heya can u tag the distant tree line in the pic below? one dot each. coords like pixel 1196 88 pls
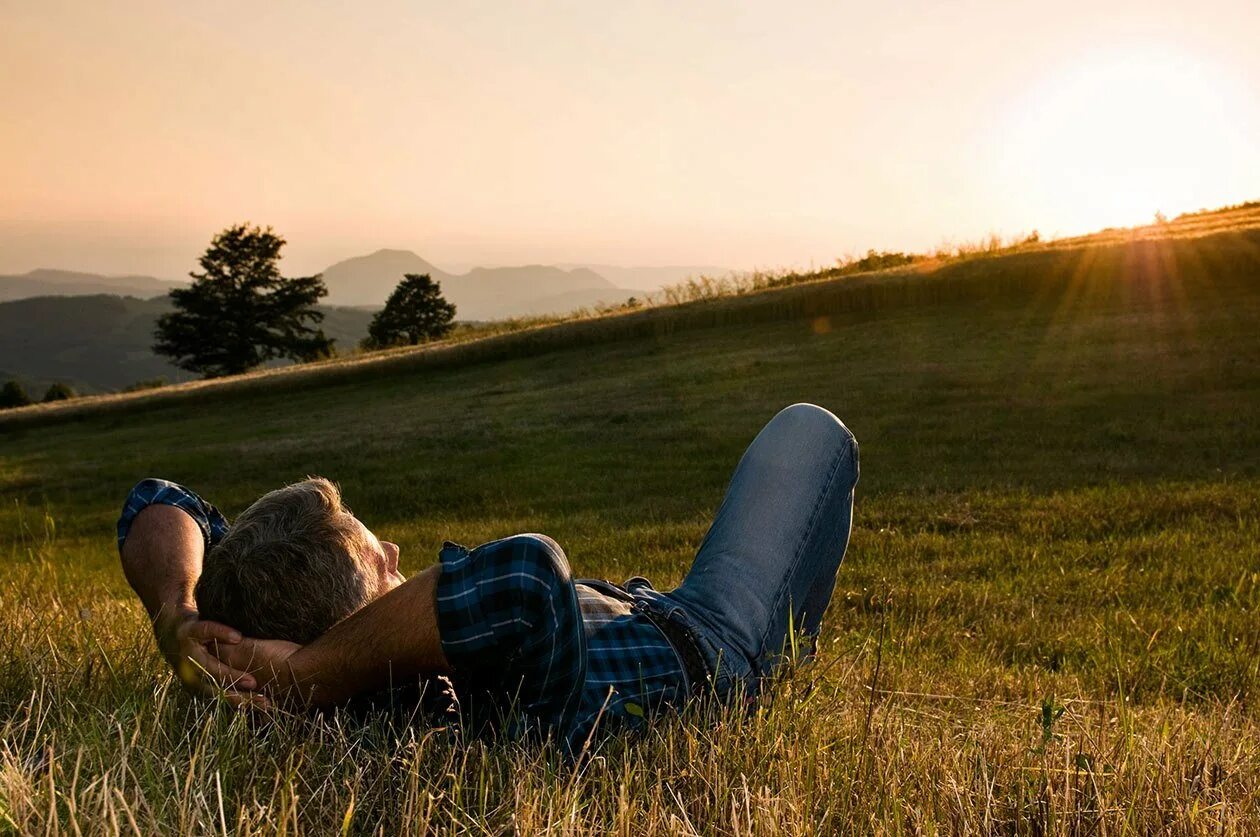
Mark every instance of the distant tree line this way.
pixel 13 394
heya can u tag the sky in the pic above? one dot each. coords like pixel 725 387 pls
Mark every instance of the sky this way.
pixel 726 133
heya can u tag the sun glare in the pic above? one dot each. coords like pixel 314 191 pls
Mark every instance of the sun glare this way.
pixel 1111 140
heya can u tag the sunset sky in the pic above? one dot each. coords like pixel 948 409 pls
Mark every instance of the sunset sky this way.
pixel 634 133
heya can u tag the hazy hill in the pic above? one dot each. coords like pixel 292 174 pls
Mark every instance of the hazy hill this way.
pixel 483 293
pixel 368 280
pixel 650 278
pixel 488 293
pixel 101 342
pixel 45 282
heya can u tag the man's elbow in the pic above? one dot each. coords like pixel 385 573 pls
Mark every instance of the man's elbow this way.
pixel 538 591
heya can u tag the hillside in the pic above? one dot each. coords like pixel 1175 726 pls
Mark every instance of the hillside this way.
pixel 1017 272
pixel 102 343
pixel 1045 622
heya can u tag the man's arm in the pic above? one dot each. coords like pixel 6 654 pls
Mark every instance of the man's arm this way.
pixel 161 559
pixel 162 547
pixel 393 639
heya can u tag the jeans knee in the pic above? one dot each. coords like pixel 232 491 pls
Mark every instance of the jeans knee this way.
pixel 814 424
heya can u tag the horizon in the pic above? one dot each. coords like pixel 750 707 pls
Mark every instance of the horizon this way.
pixel 636 137
pixel 455 270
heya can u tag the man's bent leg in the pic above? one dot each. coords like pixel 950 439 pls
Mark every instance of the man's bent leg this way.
pixel 770 558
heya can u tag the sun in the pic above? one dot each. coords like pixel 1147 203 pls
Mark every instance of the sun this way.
pixel 1117 136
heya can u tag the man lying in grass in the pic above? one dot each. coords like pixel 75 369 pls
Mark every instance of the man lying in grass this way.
pixel 300 602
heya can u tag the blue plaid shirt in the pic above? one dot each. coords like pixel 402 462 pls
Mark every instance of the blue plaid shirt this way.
pixel 571 656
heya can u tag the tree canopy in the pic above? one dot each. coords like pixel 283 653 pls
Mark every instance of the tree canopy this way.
pixel 59 392
pixel 13 394
pixel 415 313
pixel 239 311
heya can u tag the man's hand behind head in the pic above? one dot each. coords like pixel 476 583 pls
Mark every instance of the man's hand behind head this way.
pixel 188 643
pixel 264 661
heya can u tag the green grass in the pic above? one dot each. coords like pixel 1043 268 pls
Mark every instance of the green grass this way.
pixel 1059 510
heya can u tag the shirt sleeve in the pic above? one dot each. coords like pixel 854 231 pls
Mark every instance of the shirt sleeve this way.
pixel 212 524
pixel 510 624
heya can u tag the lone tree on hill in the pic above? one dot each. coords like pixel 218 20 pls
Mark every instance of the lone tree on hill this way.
pixel 59 392
pixel 240 312
pixel 13 394
pixel 414 313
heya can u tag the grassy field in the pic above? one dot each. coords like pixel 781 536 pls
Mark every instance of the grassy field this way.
pixel 1047 621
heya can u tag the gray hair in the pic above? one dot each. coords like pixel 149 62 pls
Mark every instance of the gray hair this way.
pixel 290 568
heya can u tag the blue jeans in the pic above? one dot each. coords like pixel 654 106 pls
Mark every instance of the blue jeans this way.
pixel 768 565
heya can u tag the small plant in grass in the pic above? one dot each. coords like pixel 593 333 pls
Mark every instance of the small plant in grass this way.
pixel 1051 712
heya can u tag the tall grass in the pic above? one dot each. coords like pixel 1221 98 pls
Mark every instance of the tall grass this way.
pixel 865 741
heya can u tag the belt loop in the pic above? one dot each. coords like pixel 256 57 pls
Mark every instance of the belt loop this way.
pixel 682 638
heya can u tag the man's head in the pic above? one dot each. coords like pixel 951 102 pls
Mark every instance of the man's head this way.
pixel 295 563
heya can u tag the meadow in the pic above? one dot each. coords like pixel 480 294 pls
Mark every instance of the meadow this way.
pixel 1046 622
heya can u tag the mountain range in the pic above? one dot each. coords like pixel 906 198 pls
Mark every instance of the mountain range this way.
pixel 481 293
pixel 45 282
pixel 94 332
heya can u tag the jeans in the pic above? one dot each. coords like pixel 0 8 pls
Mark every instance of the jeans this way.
pixel 767 566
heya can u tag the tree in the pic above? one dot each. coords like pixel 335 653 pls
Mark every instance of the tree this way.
pixel 13 394
pixel 59 392
pixel 414 313
pixel 240 312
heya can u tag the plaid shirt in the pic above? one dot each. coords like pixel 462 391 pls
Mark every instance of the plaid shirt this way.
pixel 571 656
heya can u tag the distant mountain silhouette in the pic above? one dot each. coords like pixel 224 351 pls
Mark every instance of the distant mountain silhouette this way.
pixel 103 342
pixel 368 280
pixel 45 282
pixel 483 293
